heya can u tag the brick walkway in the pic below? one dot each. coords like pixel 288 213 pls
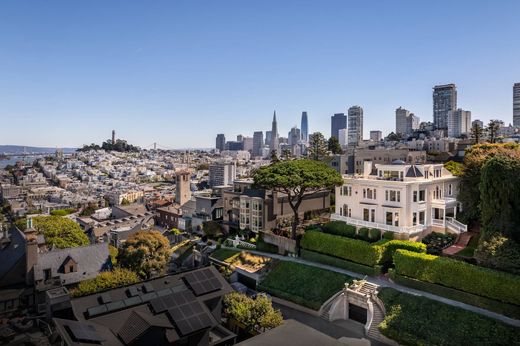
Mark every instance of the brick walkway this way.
pixel 463 241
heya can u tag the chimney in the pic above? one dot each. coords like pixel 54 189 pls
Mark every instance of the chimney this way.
pixel 31 252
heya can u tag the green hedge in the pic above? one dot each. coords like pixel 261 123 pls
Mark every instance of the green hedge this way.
pixel 460 275
pixel 339 228
pixel 106 280
pixel 412 320
pixel 509 310
pixel 388 235
pixel 391 246
pixel 339 263
pixel 350 249
pixel 302 284
pixel 261 245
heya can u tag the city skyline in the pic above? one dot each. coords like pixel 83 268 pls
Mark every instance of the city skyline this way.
pixel 166 79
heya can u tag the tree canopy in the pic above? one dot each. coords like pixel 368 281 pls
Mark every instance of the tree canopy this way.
pixel 334 146
pixel 318 147
pixel 255 314
pixel 145 252
pixel 58 231
pixel 297 178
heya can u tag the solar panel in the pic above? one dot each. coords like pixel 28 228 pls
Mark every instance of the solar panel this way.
pixel 148 287
pixel 96 310
pixel 132 291
pixel 164 292
pixel 85 332
pixel 161 304
pixel 105 298
pixel 133 301
pixel 148 296
pixel 203 281
pixel 120 304
pixel 187 312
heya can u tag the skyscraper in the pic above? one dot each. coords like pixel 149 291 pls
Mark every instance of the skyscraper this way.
pixel 337 122
pixel 274 134
pixel 459 122
pixel 405 122
pixel 220 143
pixel 376 135
pixel 294 136
pixel 258 143
pixel 355 125
pixel 305 127
pixel 516 104
pixel 444 100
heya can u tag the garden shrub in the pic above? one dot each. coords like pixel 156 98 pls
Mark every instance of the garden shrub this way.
pixel 363 234
pixel 391 246
pixel 374 235
pixel 460 275
pixel 436 242
pixel 339 228
pixel 413 320
pixel 388 235
pixel 350 249
pixel 106 280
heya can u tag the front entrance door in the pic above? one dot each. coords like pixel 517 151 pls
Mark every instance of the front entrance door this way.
pixel 357 313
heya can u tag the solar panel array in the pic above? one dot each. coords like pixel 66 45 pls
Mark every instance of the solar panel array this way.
pixel 203 281
pixel 84 332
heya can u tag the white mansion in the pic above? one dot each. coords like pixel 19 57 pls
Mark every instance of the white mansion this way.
pixel 399 197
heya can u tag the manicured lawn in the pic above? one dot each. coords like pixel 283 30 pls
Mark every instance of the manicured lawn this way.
pixel 469 250
pixel 302 284
pixel 413 320
pixel 224 254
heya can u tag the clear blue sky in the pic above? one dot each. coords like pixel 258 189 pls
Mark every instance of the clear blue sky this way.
pixel 179 72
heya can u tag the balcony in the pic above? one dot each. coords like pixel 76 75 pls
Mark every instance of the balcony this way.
pixel 444 202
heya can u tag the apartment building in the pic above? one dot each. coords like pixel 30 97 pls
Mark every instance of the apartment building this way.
pixel 403 198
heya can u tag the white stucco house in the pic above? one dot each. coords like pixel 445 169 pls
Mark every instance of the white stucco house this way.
pixel 402 198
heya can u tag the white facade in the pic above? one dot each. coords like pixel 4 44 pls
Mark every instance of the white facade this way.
pixel 459 123
pixel 400 198
pixel 221 174
pixel 343 137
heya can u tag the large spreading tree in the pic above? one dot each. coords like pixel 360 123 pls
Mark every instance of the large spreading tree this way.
pixel 254 314
pixel 145 252
pixel 297 179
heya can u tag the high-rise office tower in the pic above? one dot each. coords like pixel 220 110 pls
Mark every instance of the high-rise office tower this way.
pixel 274 134
pixel 376 135
pixel 247 143
pixel 258 143
pixel 294 136
pixel 240 138
pixel 459 123
pixel 220 143
pixel 355 125
pixel 305 127
pixel 516 104
pixel 480 123
pixel 222 173
pixel 444 100
pixel 337 122
pixel 405 122
pixel 343 137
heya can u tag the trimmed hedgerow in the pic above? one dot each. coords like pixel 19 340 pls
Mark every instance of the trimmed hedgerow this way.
pixel 388 235
pixel 350 249
pixel 339 263
pixel 374 234
pixel 363 234
pixel 339 228
pixel 390 247
pixel 502 308
pixel 412 320
pixel 460 275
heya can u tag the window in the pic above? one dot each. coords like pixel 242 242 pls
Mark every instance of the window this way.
pixel 46 274
pixel 396 219
pixel 421 218
pixel 366 214
pixel 71 268
pixel 422 195
pixel 414 219
pixel 389 218
pixel 415 193
pixel 450 190
pixel 346 190
pixel 372 215
pixel 393 195
pixel 369 193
